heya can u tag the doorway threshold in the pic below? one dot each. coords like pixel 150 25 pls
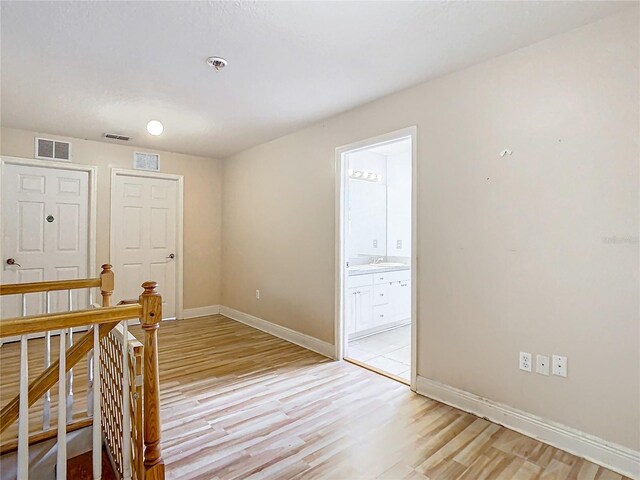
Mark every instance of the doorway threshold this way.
pixel 377 370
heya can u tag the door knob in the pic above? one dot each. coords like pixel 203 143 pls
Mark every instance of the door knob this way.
pixel 11 261
pixel 171 256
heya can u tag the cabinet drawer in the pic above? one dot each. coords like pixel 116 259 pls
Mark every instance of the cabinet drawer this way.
pixel 381 294
pixel 381 314
pixel 359 280
pixel 387 277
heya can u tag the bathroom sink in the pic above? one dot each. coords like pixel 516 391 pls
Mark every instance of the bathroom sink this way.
pixel 388 264
pixel 363 267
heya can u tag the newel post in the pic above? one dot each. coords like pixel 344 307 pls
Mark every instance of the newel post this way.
pixel 150 320
pixel 106 284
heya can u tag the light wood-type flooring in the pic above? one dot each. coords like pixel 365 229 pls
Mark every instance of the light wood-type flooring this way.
pixel 238 403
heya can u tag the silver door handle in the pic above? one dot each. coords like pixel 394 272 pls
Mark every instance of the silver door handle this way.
pixel 171 256
pixel 11 261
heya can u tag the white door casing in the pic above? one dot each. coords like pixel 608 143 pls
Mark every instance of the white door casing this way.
pixel 47 222
pixel 342 303
pixel 146 236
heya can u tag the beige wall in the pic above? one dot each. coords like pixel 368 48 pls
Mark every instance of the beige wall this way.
pixel 202 204
pixel 512 251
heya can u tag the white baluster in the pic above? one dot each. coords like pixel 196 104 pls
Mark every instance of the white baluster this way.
pixel 46 406
pixel 23 419
pixel 69 401
pixel 90 369
pixel 126 405
pixel 61 467
pixel 97 428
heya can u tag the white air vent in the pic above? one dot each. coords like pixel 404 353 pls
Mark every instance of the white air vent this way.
pixel 146 161
pixel 48 149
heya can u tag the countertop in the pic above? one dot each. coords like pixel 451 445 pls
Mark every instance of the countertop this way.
pixel 368 269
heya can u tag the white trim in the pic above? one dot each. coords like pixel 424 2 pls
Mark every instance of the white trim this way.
pixel 305 341
pixel 340 177
pixel 607 454
pixel 201 311
pixel 179 179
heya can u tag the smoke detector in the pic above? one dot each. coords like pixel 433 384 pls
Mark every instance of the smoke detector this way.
pixel 217 62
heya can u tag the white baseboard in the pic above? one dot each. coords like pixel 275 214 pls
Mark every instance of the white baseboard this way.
pixel 305 341
pixel 201 311
pixel 607 454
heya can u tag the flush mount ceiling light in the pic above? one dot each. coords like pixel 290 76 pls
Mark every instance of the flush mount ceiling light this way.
pixel 154 127
pixel 217 62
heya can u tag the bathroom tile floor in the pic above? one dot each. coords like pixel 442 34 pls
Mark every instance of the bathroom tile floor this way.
pixel 389 351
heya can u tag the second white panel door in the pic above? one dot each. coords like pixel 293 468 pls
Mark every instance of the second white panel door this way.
pixel 143 233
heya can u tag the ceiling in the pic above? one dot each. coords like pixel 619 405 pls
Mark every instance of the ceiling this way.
pixel 85 68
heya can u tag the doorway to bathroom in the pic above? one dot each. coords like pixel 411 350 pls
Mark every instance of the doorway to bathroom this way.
pixel 375 212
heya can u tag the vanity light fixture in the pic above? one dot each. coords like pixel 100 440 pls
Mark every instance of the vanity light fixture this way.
pixel 368 176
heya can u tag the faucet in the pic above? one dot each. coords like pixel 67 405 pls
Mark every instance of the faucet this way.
pixel 375 261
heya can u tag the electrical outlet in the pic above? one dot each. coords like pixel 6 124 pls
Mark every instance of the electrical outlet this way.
pixel 257 294
pixel 375 244
pixel 525 361
pixel 542 364
pixel 399 244
pixel 559 365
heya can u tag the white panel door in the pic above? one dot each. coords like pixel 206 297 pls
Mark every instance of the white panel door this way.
pixel 144 228
pixel 45 234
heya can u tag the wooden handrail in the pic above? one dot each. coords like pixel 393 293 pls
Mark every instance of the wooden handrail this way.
pixel 104 281
pixel 48 378
pixel 55 321
pixel 35 287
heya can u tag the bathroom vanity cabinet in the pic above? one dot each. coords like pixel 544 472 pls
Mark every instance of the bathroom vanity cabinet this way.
pixel 377 301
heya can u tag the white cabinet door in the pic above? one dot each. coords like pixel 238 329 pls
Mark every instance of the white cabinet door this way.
pixel 364 318
pixel 45 218
pixel 144 237
pixel 351 310
pixel 404 307
pixel 400 300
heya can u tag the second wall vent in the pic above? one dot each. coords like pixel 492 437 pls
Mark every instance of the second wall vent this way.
pixel 48 149
pixel 146 161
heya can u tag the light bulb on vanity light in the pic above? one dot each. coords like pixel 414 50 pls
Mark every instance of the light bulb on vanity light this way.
pixel 155 128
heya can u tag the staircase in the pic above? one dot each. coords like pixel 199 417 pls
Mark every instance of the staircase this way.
pixel 115 433
pixel 81 467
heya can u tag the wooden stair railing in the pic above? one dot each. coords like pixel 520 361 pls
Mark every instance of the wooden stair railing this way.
pixel 106 284
pixel 47 379
pixel 102 321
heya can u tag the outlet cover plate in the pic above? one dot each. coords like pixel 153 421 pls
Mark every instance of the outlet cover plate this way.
pixel 525 361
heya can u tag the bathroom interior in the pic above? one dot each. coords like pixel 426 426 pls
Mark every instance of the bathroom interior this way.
pixel 378 245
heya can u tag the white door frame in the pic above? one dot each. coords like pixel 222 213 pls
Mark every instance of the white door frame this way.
pixel 179 179
pixel 93 189
pixel 341 178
